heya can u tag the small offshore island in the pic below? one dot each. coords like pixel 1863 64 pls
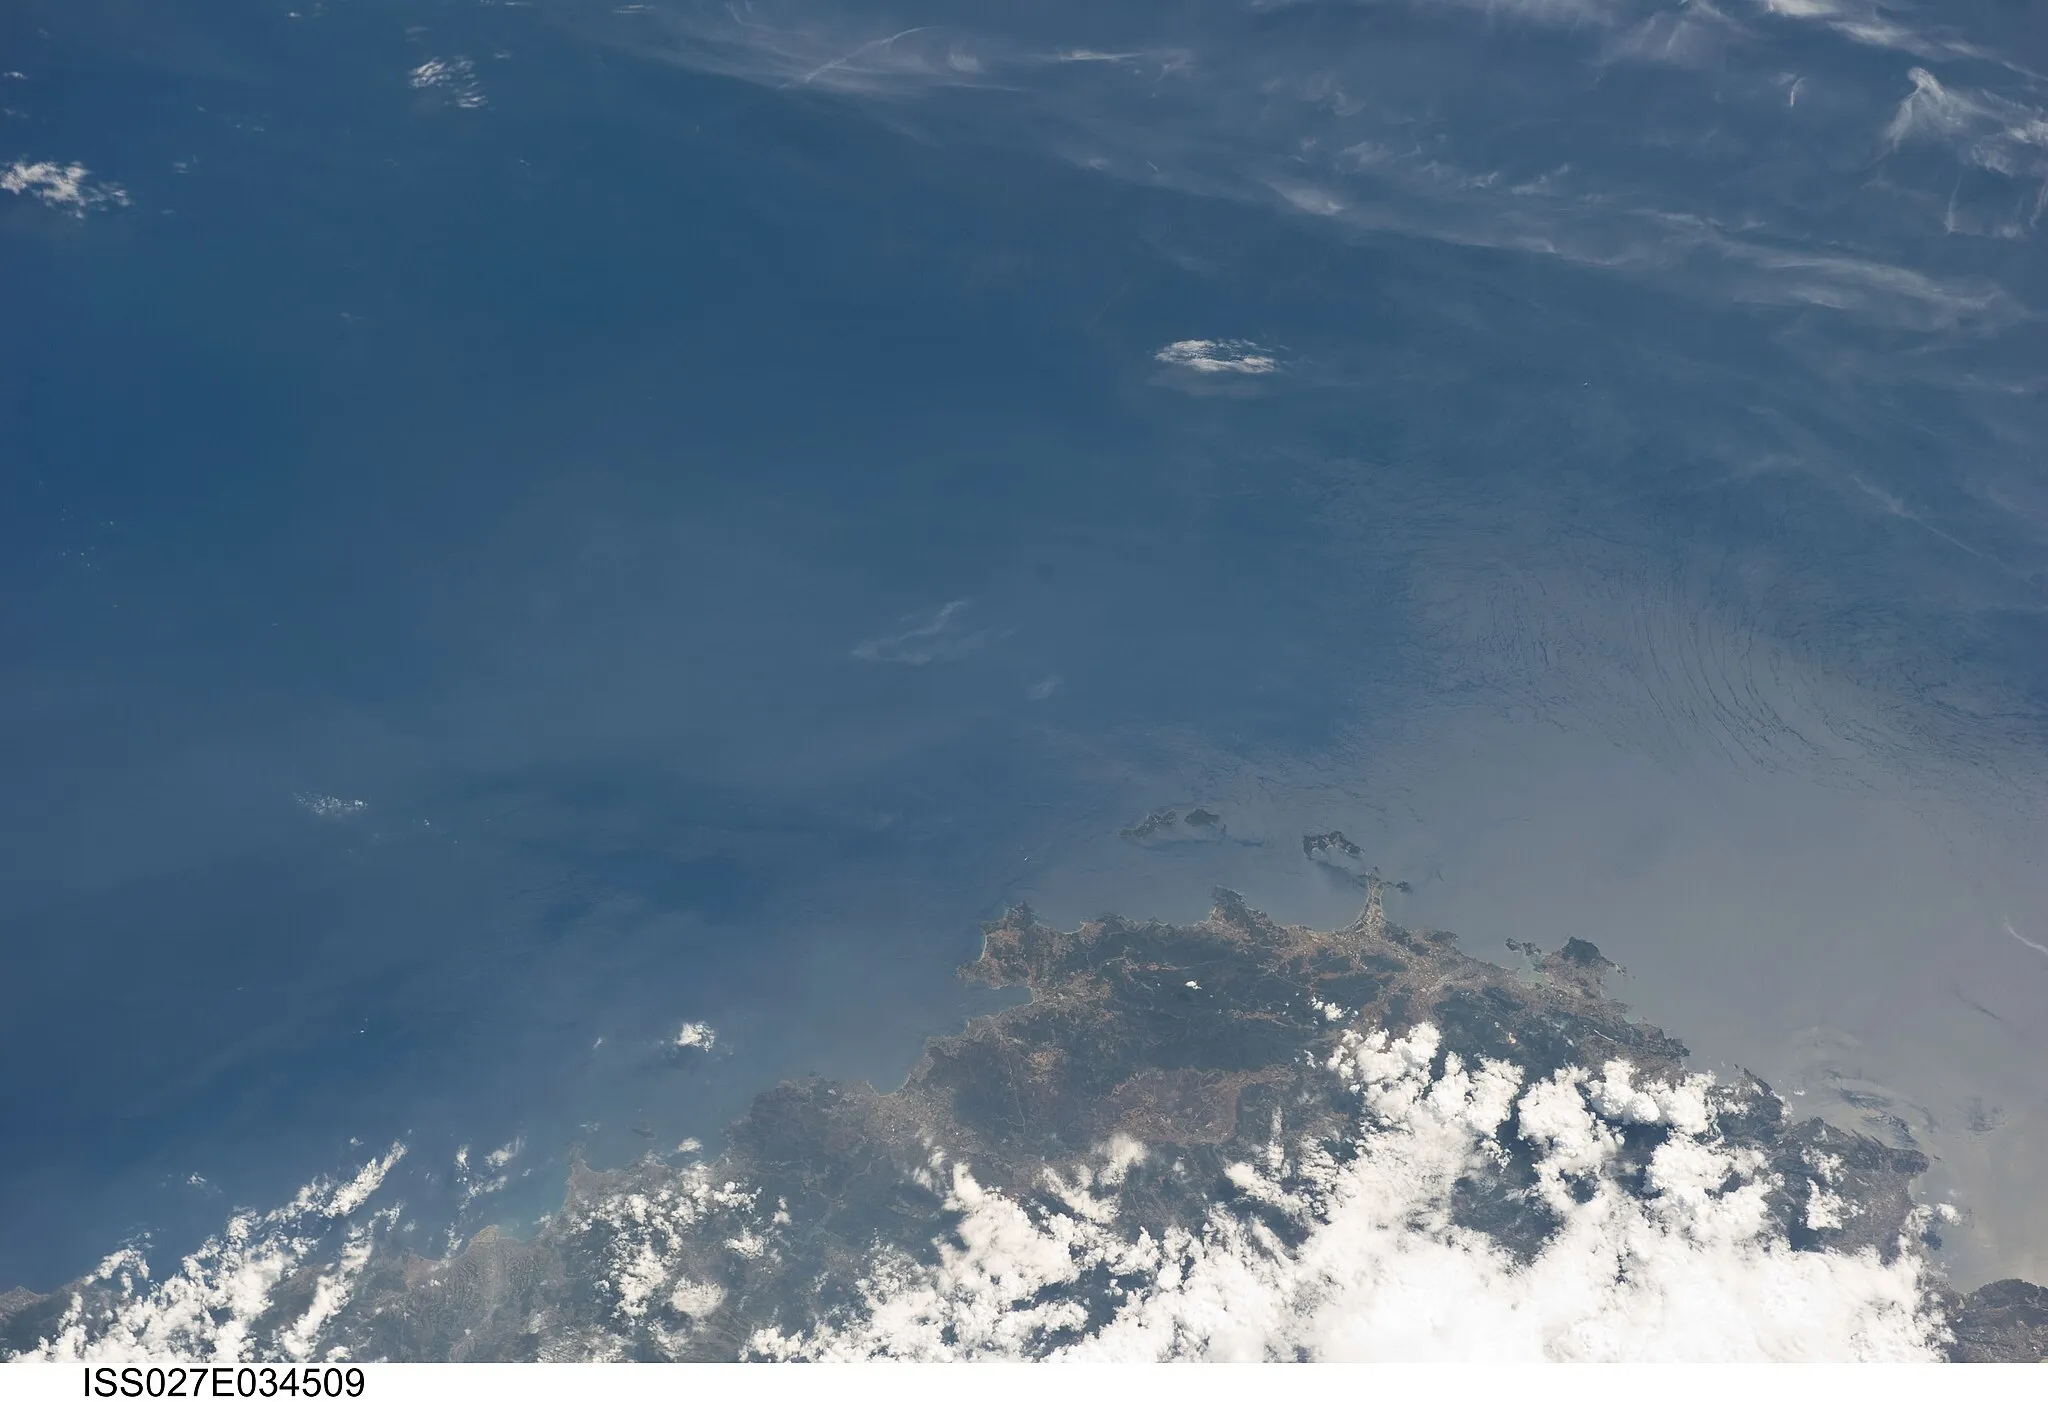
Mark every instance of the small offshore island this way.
pixel 1232 1139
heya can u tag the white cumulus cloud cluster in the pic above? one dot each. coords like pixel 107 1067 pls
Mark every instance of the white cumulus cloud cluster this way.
pixel 62 187
pixel 644 1238
pixel 1350 1251
pixel 700 1035
pixel 214 1308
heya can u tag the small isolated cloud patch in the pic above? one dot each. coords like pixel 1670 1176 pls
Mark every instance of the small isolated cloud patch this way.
pixel 699 1036
pixel 938 636
pixel 62 187
pixel 474 1181
pixel 455 77
pixel 1218 358
pixel 2034 945
pixel 329 806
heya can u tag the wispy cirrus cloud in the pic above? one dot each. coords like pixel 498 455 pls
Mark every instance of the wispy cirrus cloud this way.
pixel 939 635
pixel 1876 24
pixel 1403 137
pixel 811 48
pixel 2001 141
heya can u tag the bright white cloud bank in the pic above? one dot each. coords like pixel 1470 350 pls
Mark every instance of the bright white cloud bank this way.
pixel 220 1306
pixel 1664 1249
pixel 1354 1255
